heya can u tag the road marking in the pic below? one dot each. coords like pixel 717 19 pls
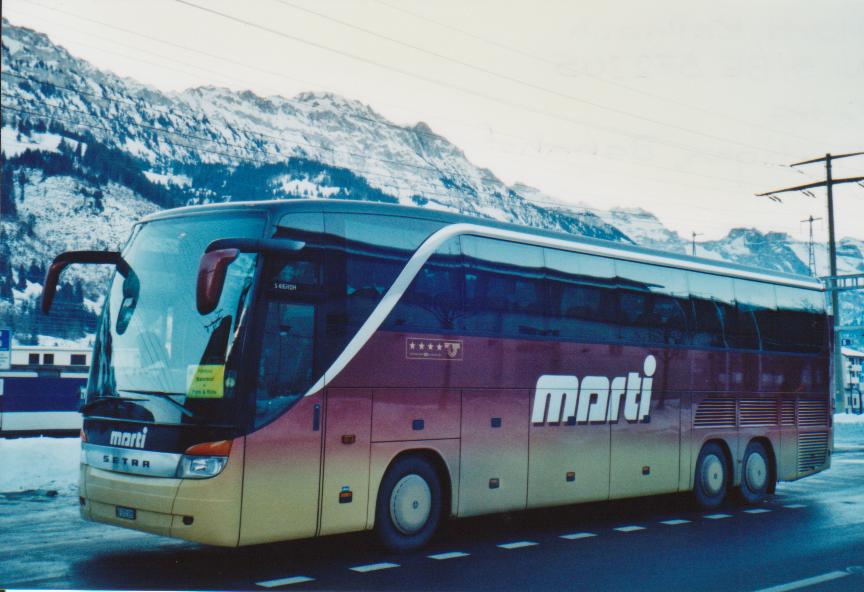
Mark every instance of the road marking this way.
pixel 757 511
pixel 675 522
pixel 717 516
pixel 794 506
pixel 285 581
pixel 575 536
pixel 629 528
pixel 517 544
pixel 826 577
pixel 374 567
pixel 450 555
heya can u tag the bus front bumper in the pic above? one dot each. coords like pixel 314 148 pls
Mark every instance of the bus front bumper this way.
pixel 202 510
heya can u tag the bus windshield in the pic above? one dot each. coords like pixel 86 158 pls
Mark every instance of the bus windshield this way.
pixel 156 358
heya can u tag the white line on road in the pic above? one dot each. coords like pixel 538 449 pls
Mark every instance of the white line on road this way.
pixel 629 528
pixel 450 555
pixel 757 511
pixel 826 577
pixel 285 582
pixel 575 536
pixel 675 522
pixel 517 545
pixel 794 506
pixel 373 567
pixel 717 516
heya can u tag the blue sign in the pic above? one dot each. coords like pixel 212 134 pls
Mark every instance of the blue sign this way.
pixel 5 349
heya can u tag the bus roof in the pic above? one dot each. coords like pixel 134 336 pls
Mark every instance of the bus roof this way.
pixel 278 208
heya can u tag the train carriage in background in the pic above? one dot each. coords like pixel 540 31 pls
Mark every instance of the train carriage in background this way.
pixel 43 389
pixel 278 370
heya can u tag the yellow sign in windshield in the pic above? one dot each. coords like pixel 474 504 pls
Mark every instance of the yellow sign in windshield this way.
pixel 205 381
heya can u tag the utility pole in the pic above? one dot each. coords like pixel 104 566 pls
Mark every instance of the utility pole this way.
pixel 828 183
pixel 811 250
pixel 695 234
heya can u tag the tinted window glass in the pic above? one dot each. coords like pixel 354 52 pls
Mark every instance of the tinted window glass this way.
pixel 754 324
pixel 801 324
pixel 364 255
pixel 712 300
pixel 433 302
pixel 652 303
pixel 504 292
pixel 581 296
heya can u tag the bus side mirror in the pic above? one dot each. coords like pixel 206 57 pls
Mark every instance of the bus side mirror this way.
pixel 211 278
pixel 219 255
pixel 63 260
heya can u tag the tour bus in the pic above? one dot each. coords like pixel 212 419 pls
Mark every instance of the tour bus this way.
pixel 278 370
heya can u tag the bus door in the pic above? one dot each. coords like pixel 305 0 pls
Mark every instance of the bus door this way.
pixel 283 453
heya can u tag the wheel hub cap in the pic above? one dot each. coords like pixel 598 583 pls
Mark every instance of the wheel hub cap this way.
pixel 756 472
pixel 410 504
pixel 712 476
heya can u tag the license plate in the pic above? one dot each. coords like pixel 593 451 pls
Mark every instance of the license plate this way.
pixel 125 513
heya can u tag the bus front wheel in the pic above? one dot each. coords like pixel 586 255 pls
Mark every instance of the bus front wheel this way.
pixel 712 476
pixel 408 509
pixel 756 477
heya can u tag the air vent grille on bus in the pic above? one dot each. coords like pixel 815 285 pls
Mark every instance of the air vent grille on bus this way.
pixel 812 412
pixel 758 412
pixel 812 449
pixel 787 413
pixel 715 412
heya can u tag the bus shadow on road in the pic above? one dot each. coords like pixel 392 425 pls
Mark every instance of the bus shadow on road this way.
pixel 199 566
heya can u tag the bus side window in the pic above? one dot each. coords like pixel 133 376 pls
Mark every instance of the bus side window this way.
pixel 652 303
pixel 581 296
pixel 754 321
pixel 712 300
pixel 433 301
pixel 504 290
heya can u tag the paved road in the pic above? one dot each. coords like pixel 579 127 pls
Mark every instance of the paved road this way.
pixel 810 535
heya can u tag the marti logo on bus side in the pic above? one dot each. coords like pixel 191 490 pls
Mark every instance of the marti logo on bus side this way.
pixel 597 399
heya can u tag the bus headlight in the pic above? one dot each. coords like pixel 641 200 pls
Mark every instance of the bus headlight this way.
pixel 203 461
pixel 201 467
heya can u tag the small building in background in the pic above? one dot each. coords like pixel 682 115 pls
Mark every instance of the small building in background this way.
pixel 853 360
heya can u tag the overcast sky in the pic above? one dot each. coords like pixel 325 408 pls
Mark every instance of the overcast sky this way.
pixel 681 107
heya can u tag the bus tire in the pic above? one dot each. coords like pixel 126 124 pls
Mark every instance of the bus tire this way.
pixel 712 477
pixel 408 509
pixel 756 474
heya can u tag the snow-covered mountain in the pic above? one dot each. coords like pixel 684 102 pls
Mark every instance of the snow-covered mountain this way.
pixel 86 153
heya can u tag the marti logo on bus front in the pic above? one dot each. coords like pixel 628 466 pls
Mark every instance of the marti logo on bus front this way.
pixel 596 399
pixel 129 439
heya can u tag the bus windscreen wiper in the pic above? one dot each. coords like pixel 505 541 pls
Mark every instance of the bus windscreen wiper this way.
pixel 162 395
pixel 88 407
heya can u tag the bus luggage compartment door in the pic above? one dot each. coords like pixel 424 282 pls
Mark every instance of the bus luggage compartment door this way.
pixel 494 467
pixel 345 491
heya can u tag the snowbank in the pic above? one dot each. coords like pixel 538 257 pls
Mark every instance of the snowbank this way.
pixel 48 464
pixel 848 418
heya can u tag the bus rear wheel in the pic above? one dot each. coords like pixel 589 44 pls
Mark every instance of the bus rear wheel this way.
pixel 756 476
pixel 408 509
pixel 712 476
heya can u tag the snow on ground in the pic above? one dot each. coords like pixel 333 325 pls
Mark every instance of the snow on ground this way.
pixel 849 418
pixel 46 464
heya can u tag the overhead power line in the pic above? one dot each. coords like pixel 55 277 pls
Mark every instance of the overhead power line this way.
pixel 558 65
pixel 462 89
pixel 519 81
pixel 173 114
